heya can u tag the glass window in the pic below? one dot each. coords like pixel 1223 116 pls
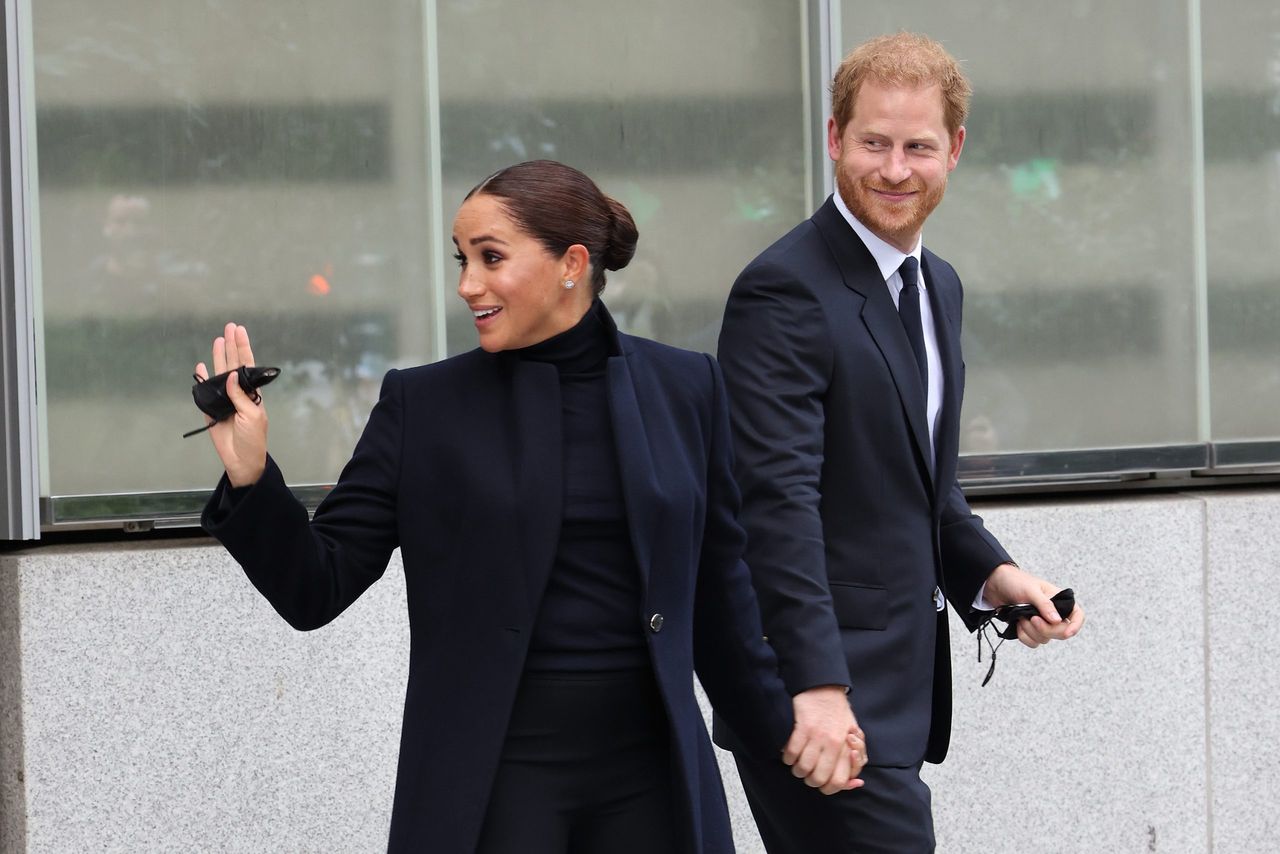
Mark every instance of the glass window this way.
pixel 199 163
pixel 1242 215
pixel 1069 219
pixel 276 164
pixel 691 114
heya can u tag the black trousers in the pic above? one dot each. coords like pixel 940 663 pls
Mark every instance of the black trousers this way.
pixel 586 769
pixel 891 814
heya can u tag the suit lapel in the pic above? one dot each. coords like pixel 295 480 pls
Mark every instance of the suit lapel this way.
pixel 944 292
pixel 640 490
pixel 862 275
pixel 539 472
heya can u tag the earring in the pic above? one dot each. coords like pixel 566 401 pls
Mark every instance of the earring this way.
pixel 568 284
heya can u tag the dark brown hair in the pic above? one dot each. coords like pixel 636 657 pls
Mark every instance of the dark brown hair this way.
pixel 559 206
pixel 901 59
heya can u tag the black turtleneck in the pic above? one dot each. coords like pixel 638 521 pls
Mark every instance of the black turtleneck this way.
pixel 589 619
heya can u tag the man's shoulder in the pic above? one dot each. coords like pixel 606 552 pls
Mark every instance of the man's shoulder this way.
pixel 797 247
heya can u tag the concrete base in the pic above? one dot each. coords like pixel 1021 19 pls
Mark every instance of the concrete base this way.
pixel 150 700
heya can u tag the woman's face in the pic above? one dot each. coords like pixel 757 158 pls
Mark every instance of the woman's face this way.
pixel 512 284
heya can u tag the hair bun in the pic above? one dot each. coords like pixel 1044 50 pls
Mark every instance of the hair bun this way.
pixel 621 244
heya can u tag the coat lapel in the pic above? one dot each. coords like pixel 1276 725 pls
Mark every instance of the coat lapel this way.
pixel 640 490
pixel 539 472
pixel 862 275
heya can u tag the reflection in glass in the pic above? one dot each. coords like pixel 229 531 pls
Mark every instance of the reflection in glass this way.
pixel 183 184
pixel 690 114
pixel 284 184
pixel 1242 216
pixel 1069 219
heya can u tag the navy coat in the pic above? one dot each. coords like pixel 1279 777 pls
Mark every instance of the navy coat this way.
pixel 852 526
pixel 460 467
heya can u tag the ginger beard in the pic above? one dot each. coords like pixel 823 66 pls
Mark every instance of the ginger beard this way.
pixel 896 223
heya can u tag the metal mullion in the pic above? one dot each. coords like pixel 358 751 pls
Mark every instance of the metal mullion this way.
pixel 19 415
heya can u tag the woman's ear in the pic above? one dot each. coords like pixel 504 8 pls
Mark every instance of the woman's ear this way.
pixel 576 262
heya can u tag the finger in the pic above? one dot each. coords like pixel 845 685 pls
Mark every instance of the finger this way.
pixel 841 771
pixel 1074 622
pixel 232 350
pixel 807 761
pixel 242 346
pixel 828 768
pixel 793 749
pixel 219 355
pixel 858 749
pixel 1024 634
pixel 201 372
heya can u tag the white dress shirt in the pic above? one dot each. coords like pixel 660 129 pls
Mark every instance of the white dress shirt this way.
pixel 889 259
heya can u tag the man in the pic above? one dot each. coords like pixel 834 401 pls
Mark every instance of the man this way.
pixel 846 428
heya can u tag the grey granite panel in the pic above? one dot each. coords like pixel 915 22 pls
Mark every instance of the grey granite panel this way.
pixel 1244 678
pixel 168 708
pixel 13 808
pixel 165 707
pixel 1096 744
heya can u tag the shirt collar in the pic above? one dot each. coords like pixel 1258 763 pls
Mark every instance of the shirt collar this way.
pixel 888 258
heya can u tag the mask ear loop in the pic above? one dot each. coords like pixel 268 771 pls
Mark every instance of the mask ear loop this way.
pixel 1009 631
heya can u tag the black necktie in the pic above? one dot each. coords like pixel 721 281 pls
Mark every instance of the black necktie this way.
pixel 909 313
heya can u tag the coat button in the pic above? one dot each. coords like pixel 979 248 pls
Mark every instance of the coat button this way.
pixel 655 623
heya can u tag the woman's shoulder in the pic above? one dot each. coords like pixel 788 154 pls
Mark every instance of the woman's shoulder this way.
pixel 673 365
pixel 663 354
pixel 462 367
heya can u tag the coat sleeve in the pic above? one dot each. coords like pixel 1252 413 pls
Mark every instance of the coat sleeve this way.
pixel 310 571
pixel 736 667
pixel 777 360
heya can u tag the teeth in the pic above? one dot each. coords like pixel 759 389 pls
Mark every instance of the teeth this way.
pixel 485 312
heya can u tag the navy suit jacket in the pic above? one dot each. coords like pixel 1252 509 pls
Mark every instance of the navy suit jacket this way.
pixel 850 524
pixel 460 467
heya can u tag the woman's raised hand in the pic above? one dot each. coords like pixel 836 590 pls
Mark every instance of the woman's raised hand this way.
pixel 241 441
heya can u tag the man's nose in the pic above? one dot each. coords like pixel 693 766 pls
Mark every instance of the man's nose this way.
pixel 895 168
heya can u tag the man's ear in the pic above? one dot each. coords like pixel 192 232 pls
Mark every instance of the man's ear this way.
pixel 835 146
pixel 957 143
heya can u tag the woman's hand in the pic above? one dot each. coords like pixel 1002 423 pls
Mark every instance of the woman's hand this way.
pixel 241 440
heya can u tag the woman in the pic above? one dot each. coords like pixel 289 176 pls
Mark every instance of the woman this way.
pixel 566 518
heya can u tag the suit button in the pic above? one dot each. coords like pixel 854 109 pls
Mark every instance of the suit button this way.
pixel 655 623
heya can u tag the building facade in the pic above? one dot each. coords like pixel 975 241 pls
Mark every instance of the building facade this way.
pixel 295 167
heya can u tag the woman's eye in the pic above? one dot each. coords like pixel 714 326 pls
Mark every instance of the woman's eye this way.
pixel 460 258
pixel 491 257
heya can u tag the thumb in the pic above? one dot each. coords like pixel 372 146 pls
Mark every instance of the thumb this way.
pixel 1047 610
pixel 242 401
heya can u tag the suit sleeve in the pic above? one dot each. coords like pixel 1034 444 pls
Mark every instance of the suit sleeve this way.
pixel 969 553
pixel 310 571
pixel 777 361
pixel 736 667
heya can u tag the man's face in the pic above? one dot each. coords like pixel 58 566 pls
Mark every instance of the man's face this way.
pixel 892 159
